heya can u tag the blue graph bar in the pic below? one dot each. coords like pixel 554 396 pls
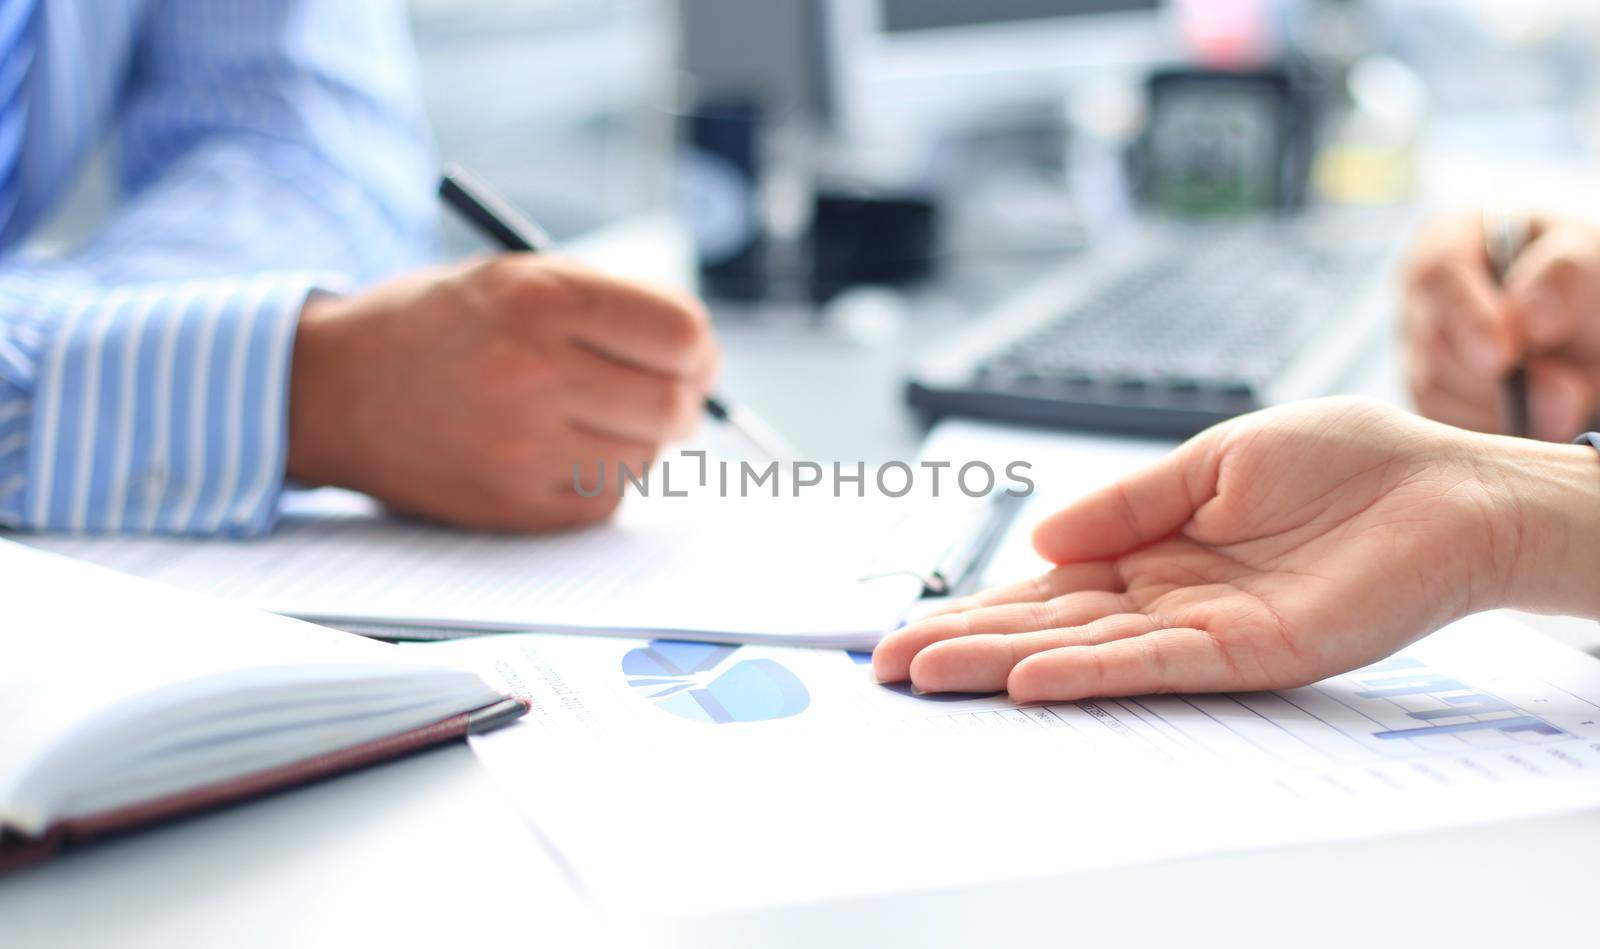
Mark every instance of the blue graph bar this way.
pixel 1411 685
pixel 1475 704
pixel 1519 723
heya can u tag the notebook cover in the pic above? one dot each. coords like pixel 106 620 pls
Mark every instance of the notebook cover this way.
pixel 17 851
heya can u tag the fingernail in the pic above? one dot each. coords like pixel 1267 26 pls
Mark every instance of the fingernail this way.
pixel 1482 353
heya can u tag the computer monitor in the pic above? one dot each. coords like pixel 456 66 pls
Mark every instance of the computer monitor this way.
pixel 904 16
pixel 929 59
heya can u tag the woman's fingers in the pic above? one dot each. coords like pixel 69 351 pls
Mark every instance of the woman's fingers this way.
pixel 1135 511
pixel 1116 655
pixel 1071 578
pixel 1093 588
pixel 1164 660
pixel 984 662
pixel 891 661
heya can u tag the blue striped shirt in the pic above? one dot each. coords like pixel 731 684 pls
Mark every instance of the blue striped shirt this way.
pixel 263 150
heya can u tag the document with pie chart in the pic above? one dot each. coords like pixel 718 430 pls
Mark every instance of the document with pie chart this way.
pixel 712 683
pixel 791 774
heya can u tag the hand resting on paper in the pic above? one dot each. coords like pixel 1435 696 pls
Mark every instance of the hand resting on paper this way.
pixel 1270 552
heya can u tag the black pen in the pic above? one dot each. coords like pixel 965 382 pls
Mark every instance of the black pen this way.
pixel 498 220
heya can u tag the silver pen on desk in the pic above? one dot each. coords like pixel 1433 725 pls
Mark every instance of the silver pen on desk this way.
pixel 1505 234
pixel 498 220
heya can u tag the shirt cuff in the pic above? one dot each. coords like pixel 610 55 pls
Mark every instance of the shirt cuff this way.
pixel 163 409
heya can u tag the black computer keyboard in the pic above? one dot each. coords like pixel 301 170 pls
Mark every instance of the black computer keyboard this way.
pixel 1178 340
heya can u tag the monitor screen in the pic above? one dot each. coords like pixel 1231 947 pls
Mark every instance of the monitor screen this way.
pixel 905 16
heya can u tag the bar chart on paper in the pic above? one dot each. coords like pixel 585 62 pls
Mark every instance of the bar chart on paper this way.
pixel 1486 720
pixel 1397 725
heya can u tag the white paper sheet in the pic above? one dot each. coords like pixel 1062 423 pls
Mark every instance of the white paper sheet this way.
pixel 729 568
pixel 672 777
pixel 741 569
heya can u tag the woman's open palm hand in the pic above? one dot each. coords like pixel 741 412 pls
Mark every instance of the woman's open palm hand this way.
pixel 1268 552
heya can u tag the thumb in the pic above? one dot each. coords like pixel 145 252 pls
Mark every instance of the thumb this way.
pixel 1133 512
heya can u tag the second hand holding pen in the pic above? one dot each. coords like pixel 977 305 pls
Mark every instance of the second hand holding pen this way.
pixel 515 232
pixel 1505 235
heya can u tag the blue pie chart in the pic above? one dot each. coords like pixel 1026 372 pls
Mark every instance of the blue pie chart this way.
pixel 705 682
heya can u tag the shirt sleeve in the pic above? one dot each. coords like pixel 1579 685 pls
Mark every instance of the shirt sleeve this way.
pixel 266 151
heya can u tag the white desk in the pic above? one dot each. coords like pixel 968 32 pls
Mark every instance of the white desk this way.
pixel 424 851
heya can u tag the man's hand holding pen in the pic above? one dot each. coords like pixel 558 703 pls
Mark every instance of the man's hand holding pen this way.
pixel 466 394
pixel 1468 332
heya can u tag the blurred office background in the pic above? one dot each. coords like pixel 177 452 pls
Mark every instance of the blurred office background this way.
pixel 863 181
pixel 1023 109
pixel 1019 119
pixel 571 104
pixel 559 102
